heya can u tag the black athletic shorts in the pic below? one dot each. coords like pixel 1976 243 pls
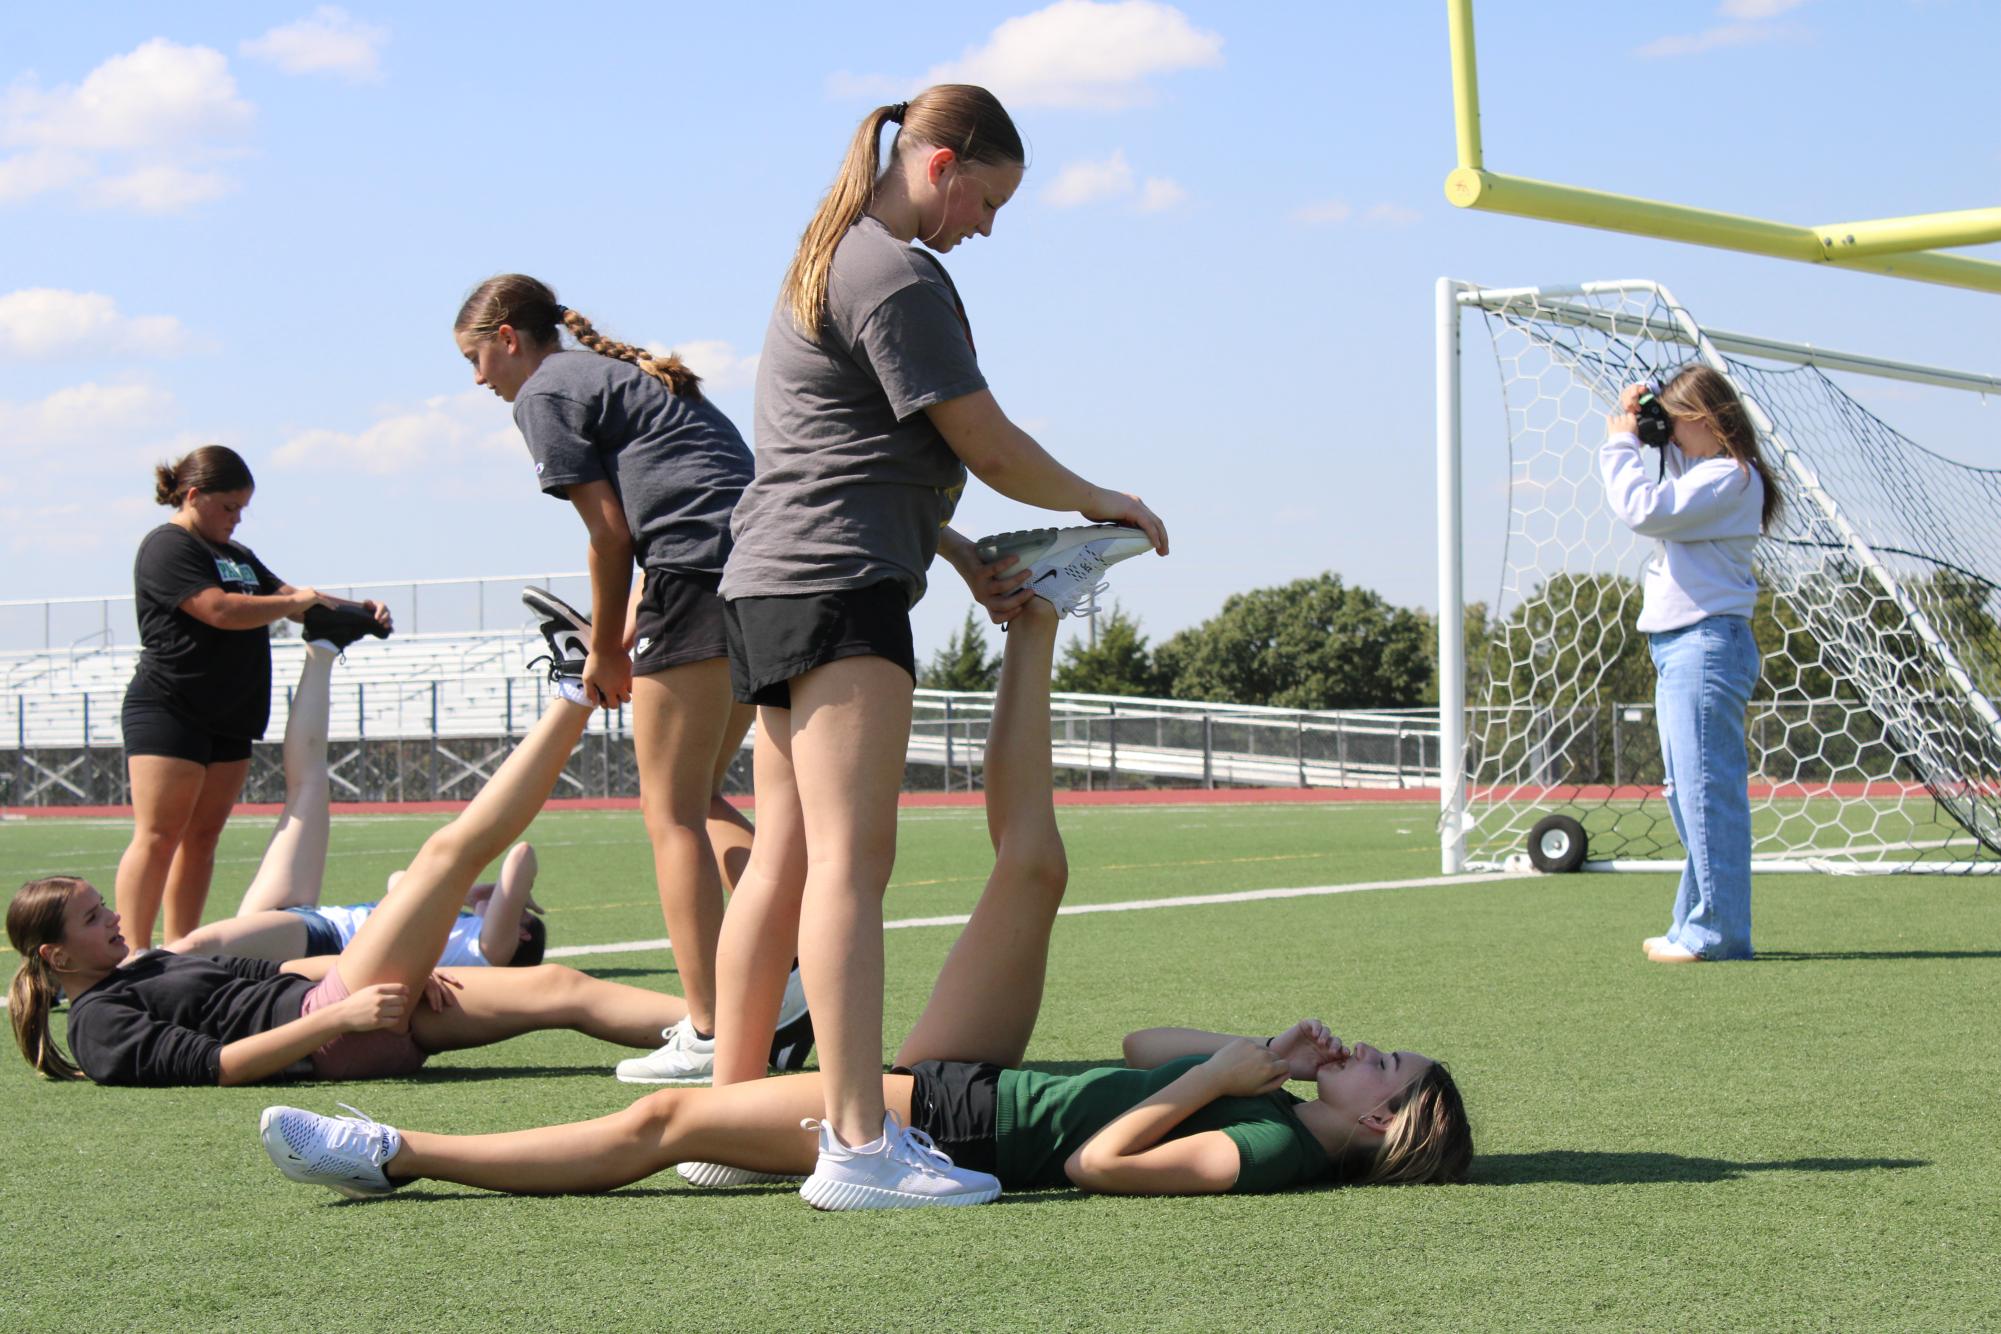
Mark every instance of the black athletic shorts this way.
pixel 953 1102
pixel 680 621
pixel 775 639
pixel 153 726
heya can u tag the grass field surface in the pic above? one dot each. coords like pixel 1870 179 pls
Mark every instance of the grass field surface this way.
pixel 1801 1142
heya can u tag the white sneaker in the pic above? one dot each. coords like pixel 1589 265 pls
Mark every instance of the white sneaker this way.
pixel 685 1059
pixel 1065 564
pixel 342 1153
pixel 902 1169
pixel 708 1176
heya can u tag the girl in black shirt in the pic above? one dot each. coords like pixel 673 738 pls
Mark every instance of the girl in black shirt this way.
pixel 374 1010
pixel 202 691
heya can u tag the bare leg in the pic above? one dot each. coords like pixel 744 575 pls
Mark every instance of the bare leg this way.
pixel 850 730
pixel 678 719
pixel 500 924
pixel 493 1004
pixel 274 934
pixel 729 833
pixel 194 860
pixel 989 992
pixel 295 860
pixel 401 940
pixel 164 791
pixel 761 930
pixel 754 1126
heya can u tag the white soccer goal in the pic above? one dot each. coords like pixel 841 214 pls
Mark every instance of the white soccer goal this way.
pixel 1875 741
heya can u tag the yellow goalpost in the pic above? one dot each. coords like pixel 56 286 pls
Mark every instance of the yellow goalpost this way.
pixel 1898 247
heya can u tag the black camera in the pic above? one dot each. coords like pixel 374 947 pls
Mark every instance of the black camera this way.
pixel 1653 426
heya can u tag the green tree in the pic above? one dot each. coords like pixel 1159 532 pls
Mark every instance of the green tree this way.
pixel 1312 644
pixel 1118 664
pixel 964 663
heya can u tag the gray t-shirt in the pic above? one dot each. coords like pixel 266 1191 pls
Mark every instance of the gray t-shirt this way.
pixel 853 481
pixel 676 463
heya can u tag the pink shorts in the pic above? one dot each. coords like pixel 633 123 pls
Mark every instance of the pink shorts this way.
pixel 384 1054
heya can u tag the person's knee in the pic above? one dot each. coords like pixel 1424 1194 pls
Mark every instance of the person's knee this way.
pixel 651 1120
pixel 1037 867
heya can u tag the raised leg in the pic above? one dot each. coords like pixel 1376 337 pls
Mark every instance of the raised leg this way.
pixel 754 1126
pixel 295 860
pixel 850 731
pixel 678 720
pixel 500 923
pixel 760 936
pixel 984 1004
pixel 401 940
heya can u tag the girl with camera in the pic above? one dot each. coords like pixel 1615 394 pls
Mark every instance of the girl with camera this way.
pixel 1713 497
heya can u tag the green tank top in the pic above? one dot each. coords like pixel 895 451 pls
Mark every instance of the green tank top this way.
pixel 1040 1120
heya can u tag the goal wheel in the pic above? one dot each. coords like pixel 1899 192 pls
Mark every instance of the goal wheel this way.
pixel 1557 844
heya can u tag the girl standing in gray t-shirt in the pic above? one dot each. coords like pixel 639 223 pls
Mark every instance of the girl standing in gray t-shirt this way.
pixel 653 469
pixel 871 408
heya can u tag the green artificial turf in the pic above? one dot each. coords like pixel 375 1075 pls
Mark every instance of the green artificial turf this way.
pixel 1805 1141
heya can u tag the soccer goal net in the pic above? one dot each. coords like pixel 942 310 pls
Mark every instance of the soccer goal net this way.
pixel 1874 738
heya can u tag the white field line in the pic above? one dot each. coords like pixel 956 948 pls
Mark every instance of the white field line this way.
pixel 1080 909
pixel 1125 905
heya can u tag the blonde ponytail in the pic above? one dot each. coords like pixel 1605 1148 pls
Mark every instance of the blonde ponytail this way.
pixel 967 119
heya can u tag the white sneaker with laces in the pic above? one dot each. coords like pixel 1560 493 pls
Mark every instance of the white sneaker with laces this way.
pixel 1066 564
pixel 901 1169
pixel 343 1153
pixel 684 1059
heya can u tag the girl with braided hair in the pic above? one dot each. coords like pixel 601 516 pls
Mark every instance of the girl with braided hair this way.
pixel 654 470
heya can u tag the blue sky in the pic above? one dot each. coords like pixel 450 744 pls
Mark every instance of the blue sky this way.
pixel 252 223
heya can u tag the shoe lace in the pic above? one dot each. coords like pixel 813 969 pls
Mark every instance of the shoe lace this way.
pixel 916 1148
pixel 358 1130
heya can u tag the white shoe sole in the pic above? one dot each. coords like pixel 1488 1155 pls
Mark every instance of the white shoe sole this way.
pixel 840 1196
pixel 693 1081
pixel 1030 545
pixel 708 1176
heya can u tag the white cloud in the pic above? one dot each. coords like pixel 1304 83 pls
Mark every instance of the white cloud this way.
pixel 1753 10
pixel 138 132
pixel 442 430
pixel 1090 182
pixel 1160 194
pixel 720 365
pixel 1748 26
pixel 1391 215
pixel 162 188
pixel 327 41
pixel 25 175
pixel 1098 55
pixel 1321 212
pixel 42 322
pixel 88 414
pixel 159 95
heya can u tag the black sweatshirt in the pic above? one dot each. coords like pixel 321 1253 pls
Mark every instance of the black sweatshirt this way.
pixel 166 1019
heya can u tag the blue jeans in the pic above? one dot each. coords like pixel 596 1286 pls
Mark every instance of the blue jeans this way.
pixel 1707 671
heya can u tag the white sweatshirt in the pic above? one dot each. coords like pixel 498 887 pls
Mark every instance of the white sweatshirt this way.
pixel 1706 515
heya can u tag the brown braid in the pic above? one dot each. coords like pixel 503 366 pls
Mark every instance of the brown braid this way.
pixel 669 370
